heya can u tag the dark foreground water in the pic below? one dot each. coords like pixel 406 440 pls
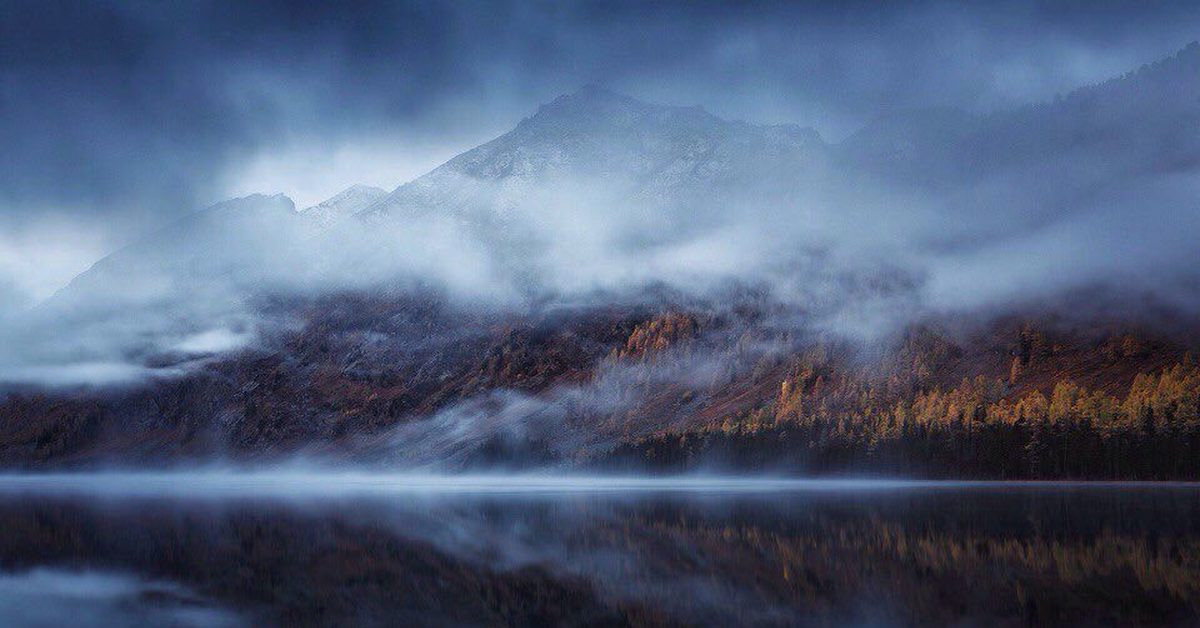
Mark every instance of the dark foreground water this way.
pixel 309 550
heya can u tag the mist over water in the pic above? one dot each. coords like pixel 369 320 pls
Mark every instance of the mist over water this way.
pixel 333 484
pixel 328 484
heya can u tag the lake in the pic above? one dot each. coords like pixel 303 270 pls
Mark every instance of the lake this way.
pixel 290 548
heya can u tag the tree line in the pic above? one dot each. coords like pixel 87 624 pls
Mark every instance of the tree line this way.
pixel 830 422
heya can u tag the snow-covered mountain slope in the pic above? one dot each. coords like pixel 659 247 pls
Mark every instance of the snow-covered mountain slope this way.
pixel 209 244
pixel 346 203
pixel 595 146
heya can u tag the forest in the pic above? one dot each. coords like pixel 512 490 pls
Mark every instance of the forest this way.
pixel 829 421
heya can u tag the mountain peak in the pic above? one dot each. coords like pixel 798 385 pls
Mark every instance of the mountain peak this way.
pixel 591 101
pixel 660 155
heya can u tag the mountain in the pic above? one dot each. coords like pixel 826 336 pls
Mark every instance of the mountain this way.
pixel 651 175
pixel 680 165
pixel 694 293
pixel 671 170
pixel 670 162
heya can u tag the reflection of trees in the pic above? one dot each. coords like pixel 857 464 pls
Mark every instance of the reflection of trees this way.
pixel 1056 559
pixel 924 577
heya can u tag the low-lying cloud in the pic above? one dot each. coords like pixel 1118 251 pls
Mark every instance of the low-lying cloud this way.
pixel 599 196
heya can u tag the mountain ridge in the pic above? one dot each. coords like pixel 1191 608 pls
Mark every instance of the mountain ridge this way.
pixel 656 148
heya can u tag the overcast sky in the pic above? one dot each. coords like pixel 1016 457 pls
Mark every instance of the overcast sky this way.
pixel 118 116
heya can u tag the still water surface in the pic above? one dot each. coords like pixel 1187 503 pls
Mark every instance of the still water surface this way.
pixel 223 549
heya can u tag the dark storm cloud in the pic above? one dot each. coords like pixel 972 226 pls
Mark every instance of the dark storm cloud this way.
pixel 135 108
pixel 111 105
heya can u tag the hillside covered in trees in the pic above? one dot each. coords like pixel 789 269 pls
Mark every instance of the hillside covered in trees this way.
pixel 828 421
pixel 668 388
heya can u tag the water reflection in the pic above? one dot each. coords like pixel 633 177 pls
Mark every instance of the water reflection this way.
pixel 52 598
pixel 903 556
